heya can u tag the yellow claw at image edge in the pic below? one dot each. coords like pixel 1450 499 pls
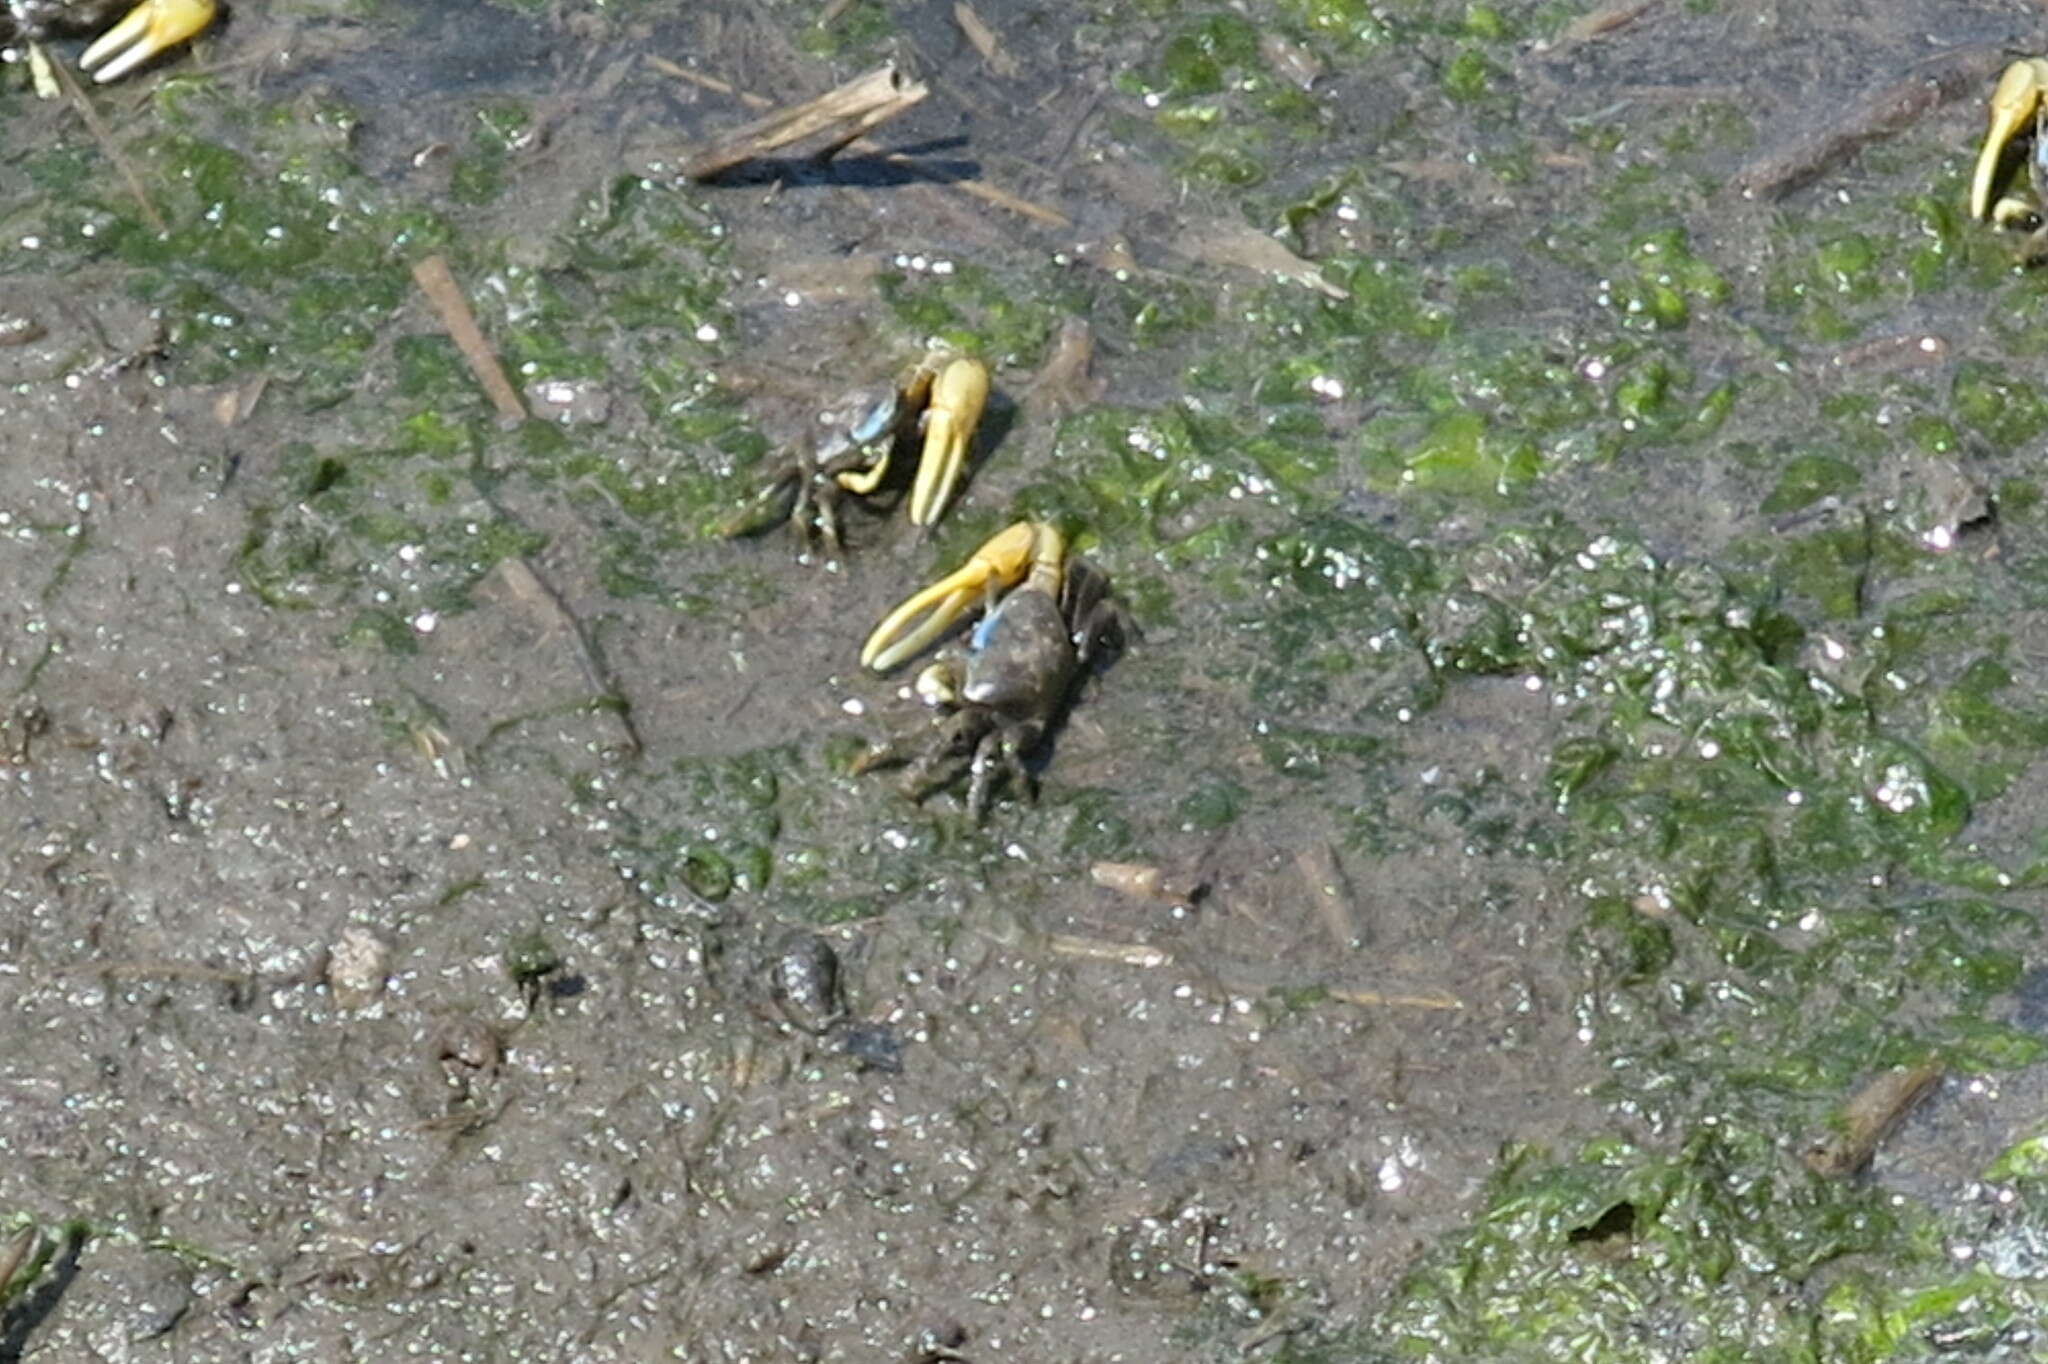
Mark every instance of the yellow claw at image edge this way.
pixel 152 27
pixel 2015 109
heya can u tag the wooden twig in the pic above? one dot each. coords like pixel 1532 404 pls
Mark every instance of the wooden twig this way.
pixel 1329 890
pixel 1606 19
pixel 459 322
pixel 684 73
pixel 98 128
pixel 1097 949
pixel 862 103
pixel 526 581
pixel 983 39
pixel 1872 1114
pixel 1888 109
pixel 1374 999
pixel 1141 881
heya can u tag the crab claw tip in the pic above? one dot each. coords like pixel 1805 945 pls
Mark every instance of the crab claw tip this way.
pixel 148 29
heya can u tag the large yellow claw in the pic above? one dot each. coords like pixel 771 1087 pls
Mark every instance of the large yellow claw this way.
pixel 958 394
pixel 1027 549
pixel 2014 105
pixel 149 28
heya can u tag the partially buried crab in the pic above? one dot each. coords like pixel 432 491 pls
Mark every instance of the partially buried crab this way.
pixel 942 396
pixel 2017 111
pixel 147 29
pixel 1000 698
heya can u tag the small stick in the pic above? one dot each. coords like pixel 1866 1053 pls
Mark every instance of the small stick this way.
pixel 1901 350
pixel 1096 949
pixel 439 286
pixel 1373 999
pixel 1143 882
pixel 1889 109
pixel 98 128
pixel 983 39
pixel 526 581
pixel 860 104
pixel 1872 1114
pixel 1329 891
pixel 1001 198
pixel 684 73
pixel 1606 19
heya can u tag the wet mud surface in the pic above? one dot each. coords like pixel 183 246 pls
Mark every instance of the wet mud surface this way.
pixel 436 915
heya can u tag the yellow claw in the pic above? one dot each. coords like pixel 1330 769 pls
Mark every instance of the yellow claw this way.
pixel 958 394
pixel 863 482
pixel 1028 549
pixel 149 28
pixel 2013 106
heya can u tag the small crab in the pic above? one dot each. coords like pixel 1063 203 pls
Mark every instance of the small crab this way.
pixel 1021 661
pixel 2017 111
pixel 942 395
pixel 148 28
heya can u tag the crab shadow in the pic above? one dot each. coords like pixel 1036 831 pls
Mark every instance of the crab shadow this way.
pixel 915 164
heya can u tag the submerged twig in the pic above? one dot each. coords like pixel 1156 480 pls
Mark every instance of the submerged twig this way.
pixel 162 970
pixel 1606 19
pixel 526 581
pixel 983 39
pixel 846 112
pixel 438 284
pixel 1099 949
pixel 1329 890
pixel 1374 999
pixel 1872 1114
pixel 1889 109
pixel 1247 248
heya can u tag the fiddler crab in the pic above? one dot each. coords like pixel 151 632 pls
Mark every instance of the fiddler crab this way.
pixel 2018 108
pixel 148 29
pixel 1001 697
pixel 942 396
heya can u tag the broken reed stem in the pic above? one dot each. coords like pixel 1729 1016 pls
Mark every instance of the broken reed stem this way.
pixel 977 189
pixel 862 103
pixel 435 281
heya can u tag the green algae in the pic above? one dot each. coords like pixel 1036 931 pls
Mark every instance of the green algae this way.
pixel 1717 794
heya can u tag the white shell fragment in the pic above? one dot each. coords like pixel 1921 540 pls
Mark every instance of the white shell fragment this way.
pixel 569 402
pixel 356 968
